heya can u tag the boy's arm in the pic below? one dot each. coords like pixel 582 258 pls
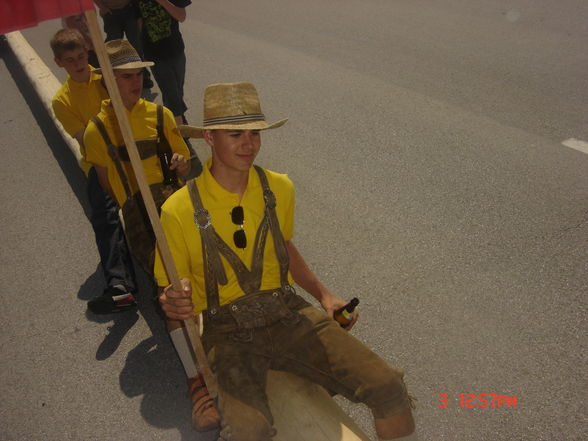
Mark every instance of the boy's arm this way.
pixel 308 281
pixel 96 155
pixel 70 122
pixel 79 136
pixel 69 119
pixel 175 11
pixel 180 152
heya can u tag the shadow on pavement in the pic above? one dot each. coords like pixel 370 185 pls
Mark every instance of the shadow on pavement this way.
pixel 63 155
pixel 152 368
pixel 124 321
pixel 116 332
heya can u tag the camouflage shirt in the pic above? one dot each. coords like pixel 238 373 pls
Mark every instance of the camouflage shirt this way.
pixel 161 32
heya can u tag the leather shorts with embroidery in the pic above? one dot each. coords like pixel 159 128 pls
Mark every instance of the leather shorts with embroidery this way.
pixel 256 310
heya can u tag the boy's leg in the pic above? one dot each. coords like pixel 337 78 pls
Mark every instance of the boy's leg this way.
pixel 395 426
pixel 132 30
pixel 240 366
pixel 169 74
pixel 113 26
pixel 130 25
pixel 204 414
pixel 115 258
pixel 317 348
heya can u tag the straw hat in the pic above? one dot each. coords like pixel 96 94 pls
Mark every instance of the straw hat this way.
pixel 123 56
pixel 231 106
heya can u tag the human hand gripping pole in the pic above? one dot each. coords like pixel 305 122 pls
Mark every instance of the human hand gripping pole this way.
pixel 166 257
pixel 177 305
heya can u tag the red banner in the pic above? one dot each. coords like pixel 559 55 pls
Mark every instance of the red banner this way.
pixel 19 14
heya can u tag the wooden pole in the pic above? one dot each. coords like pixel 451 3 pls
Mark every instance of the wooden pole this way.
pixel 120 111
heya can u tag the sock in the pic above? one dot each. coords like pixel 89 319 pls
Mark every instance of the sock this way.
pixel 180 341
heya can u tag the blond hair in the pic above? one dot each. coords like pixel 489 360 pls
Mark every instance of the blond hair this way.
pixel 66 40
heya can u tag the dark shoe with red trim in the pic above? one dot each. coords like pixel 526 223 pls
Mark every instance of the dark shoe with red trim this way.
pixel 113 299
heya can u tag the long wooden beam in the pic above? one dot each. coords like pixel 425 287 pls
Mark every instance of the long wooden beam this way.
pixel 120 111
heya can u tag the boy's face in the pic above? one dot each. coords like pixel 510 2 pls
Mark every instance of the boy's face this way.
pixel 234 150
pixel 130 85
pixel 75 62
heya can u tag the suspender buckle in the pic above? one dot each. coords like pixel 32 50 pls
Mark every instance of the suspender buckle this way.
pixel 202 218
pixel 270 199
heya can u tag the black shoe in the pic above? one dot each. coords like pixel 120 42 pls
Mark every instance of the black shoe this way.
pixel 113 299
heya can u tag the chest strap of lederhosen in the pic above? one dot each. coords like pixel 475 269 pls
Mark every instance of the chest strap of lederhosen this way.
pixel 213 246
pixel 147 148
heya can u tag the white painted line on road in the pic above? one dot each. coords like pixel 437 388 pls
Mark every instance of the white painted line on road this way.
pixel 576 144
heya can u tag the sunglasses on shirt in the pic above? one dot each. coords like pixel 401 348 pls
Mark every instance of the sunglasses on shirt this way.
pixel 238 218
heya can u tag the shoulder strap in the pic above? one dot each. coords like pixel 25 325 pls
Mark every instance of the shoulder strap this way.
pixel 274 225
pixel 162 142
pixel 213 266
pixel 114 154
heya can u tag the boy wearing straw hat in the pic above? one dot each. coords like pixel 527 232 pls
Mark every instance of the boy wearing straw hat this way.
pixel 162 150
pixel 230 233
pixel 74 104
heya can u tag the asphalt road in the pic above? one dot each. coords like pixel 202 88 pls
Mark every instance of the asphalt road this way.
pixel 425 142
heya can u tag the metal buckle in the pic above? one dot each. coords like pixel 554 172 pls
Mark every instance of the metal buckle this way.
pixel 197 214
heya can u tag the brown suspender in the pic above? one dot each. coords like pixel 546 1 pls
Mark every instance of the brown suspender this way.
pixel 213 246
pixel 113 152
pixel 147 148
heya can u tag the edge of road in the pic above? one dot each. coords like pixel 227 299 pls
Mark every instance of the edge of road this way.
pixel 43 81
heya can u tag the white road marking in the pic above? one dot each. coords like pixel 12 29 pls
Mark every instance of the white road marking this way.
pixel 576 144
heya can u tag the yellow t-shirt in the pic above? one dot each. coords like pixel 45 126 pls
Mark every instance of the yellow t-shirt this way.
pixel 182 234
pixel 75 103
pixel 143 122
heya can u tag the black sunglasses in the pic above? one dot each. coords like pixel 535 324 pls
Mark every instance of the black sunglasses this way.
pixel 238 218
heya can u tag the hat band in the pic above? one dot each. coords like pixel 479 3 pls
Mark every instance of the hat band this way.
pixel 234 119
pixel 126 60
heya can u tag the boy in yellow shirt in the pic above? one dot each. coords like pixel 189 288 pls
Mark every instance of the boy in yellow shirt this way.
pixel 76 102
pixel 162 150
pixel 230 232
